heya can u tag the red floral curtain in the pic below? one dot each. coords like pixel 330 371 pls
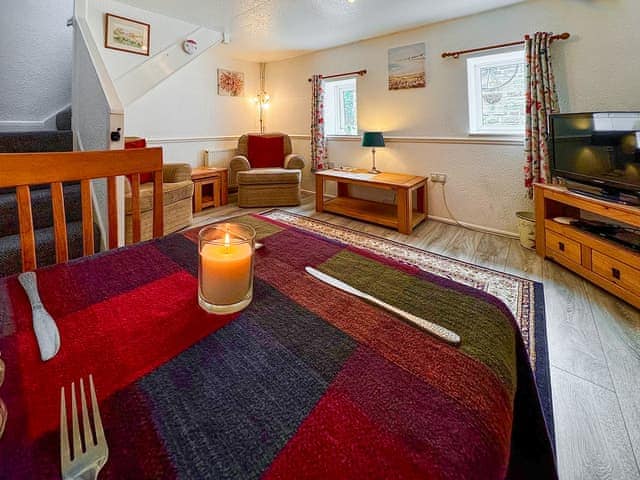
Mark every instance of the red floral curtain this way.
pixel 542 100
pixel 318 138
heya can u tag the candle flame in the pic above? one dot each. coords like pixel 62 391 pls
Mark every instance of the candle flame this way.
pixel 227 242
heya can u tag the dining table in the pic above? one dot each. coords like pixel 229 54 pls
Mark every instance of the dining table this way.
pixel 306 382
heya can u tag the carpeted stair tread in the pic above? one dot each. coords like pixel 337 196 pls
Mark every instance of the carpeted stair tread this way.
pixel 10 256
pixel 41 208
pixel 41 141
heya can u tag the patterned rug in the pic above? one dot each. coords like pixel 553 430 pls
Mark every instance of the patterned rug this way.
pixel 523 297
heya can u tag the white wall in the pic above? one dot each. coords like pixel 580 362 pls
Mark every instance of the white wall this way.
pixel 164 32
pixel 186 107
pixel 597 69
pixel 35 61
pixel 183 113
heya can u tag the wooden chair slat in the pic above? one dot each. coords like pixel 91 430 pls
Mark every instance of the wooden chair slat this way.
pixel 87 218
pixel 135 207
pixel 158 208
pixel 59 222
pixel 112 206
pixel 25 220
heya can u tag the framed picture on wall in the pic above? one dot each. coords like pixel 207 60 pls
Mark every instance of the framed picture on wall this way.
pixel 406 67
pixel 230 83
pixel 126 35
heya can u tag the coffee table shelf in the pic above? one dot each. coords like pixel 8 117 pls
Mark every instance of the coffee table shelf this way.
pixel 401 216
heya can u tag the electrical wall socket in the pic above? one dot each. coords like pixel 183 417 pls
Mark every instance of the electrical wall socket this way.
pixel 438 177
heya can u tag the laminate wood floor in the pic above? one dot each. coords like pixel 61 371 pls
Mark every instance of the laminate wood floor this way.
pixel 594 343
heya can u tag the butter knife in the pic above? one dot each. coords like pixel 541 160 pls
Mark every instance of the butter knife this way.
pixel 44 326
pixel 438 331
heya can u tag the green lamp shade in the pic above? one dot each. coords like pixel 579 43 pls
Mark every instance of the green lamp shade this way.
pixel 372 139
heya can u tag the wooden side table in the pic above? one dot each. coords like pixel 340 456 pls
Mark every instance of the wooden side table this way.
pixel 210 187
pixel 402 216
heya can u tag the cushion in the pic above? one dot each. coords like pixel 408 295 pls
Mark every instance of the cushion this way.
pixel 266 151
pixel 269 176
pixel 171 193
pixel 137 142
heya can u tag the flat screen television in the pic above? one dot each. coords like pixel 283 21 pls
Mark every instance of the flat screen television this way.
pixel 598 153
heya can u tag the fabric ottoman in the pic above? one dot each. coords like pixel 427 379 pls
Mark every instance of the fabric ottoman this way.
pixel 269 187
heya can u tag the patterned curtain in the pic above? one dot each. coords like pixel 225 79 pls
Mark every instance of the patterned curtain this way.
pixel 318 139
pixel 542 100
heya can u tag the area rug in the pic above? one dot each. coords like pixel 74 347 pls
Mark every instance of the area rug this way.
pixel 523 297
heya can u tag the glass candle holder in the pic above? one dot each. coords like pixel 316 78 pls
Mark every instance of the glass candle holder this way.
pixel 225 269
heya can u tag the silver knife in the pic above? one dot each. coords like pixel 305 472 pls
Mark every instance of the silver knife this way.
pixel 438 331
pixel 44 326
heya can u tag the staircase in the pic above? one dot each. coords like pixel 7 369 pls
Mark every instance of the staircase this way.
pixel 60 140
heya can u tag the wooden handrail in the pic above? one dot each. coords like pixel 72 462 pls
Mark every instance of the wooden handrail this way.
pixel 48 167
pixel 561 36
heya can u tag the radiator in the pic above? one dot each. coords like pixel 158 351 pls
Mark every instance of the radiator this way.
pixel 218 158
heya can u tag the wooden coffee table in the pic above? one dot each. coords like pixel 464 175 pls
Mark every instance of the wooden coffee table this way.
pixel 209 187
pixel 402 216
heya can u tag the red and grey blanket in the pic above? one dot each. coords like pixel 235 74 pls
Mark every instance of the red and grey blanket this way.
pixel 307 382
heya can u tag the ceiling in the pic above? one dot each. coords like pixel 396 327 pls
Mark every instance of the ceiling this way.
pixel 268 30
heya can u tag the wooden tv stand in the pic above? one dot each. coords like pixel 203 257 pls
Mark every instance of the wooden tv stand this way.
pixel 608 264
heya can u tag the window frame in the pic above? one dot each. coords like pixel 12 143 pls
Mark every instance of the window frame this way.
pixel 337 110
pixel 474 89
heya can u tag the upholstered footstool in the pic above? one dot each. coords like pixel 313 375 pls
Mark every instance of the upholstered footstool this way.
pixel 269 187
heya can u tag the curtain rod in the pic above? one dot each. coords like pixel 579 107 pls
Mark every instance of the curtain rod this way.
pixel 562 36
pixel 357 72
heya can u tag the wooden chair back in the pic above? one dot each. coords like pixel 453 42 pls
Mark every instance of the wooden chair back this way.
pixel 20 170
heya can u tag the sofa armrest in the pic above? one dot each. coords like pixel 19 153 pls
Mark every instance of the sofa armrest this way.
pixel 294 161
pixel 176 172
pixel 239 163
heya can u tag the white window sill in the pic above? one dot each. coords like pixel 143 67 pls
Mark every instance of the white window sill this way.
pixel 343 137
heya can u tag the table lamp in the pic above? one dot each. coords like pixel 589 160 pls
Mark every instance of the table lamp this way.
pixel 373 140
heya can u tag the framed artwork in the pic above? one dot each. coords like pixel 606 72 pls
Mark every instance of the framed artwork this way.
pixel 126 35
pixel 230 83
pixel 406 67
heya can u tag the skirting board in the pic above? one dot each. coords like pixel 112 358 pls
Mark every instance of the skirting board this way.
pixel 22 126
pixel 449 221
pixel 473 226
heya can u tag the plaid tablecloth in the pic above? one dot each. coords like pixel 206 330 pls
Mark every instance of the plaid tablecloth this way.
pixel 307 382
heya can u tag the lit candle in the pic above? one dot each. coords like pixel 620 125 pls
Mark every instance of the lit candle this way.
pixel 226 268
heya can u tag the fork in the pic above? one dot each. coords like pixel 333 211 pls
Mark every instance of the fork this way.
pixel 76 463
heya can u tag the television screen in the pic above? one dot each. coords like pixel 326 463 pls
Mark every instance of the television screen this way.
pixel 597 148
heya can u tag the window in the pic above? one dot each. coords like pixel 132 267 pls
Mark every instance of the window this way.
pixel 497 91
pixel 340 111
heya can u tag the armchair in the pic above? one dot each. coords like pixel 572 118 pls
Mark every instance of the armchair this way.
pixel 263 176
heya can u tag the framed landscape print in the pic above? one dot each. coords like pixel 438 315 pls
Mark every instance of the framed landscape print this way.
pixel 406 67
pixel 127 35
pixel 230 83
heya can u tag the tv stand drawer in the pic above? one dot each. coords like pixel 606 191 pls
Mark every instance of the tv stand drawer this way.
pixel 565 247
pixel 617 272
